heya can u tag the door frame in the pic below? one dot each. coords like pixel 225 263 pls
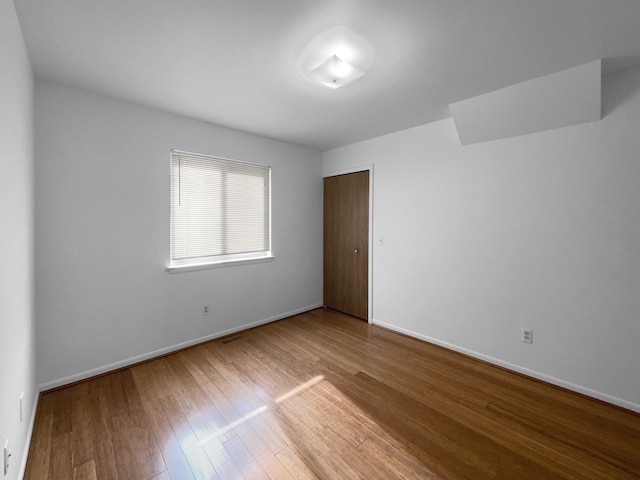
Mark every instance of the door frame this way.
pixel 363 168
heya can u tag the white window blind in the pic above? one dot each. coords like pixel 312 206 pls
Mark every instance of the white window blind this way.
pixel 220 209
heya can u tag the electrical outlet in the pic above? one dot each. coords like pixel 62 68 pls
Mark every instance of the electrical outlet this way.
pixel 527 335
pixel 6 456
pixel 21 399
pixel 205 310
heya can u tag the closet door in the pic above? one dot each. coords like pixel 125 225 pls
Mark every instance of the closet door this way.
pixel 346 243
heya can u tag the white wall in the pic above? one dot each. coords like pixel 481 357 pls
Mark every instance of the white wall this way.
pixel 540 230
pixel 17 357
pixel 103 297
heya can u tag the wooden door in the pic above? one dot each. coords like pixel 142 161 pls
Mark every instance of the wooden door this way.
pixel 346 243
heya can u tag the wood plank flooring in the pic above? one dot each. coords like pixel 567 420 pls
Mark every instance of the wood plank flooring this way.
pixel 325 396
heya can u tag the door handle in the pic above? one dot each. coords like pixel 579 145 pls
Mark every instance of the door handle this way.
pixel 356 250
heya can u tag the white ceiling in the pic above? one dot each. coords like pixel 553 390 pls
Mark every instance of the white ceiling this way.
pixel 234 62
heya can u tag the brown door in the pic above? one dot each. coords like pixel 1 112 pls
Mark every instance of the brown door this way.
pixel 346 243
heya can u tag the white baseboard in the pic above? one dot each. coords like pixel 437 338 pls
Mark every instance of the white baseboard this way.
pixel 27 441
pixel 516 368
pixel 164 351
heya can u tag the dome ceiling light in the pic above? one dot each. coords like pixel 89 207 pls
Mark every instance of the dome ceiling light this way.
pixel 335 73
pixel 335 58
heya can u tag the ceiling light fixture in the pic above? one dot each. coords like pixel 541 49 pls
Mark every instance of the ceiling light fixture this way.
pixel 335 72
pixel 335 58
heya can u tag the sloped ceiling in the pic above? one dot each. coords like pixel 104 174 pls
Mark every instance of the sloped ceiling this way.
pixel 234 62
pixel 556 100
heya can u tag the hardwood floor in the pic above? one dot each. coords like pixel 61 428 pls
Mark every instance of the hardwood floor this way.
pixel 324 396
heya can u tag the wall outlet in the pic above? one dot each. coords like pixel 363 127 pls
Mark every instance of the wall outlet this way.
pixel 526 335
pixel 21 399
pixel 6 456
pixel 205 310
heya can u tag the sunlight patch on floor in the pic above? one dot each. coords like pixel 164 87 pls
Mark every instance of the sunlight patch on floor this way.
pixel 234 424
pixel 344 436
pixel 300 388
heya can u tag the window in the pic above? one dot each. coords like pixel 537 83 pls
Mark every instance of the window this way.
pixel 220 211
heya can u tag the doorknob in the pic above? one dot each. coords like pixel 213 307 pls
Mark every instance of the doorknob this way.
pixel 356 250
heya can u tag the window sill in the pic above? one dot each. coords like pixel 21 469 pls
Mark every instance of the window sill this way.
pixel 220 264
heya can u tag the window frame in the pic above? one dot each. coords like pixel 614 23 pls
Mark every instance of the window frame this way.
pixel 221 260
